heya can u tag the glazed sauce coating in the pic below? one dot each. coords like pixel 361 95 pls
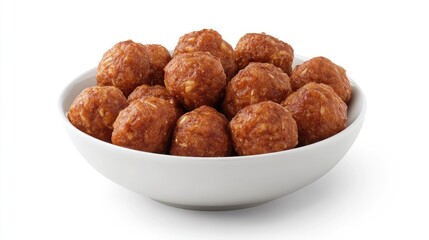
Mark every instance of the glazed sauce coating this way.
pixel 145 91
pixel 146 125
pixel 318 111
pixel 208 40
pixel 158 59
pixel 125 66
pixel 261 47
pixel 195 79
pixel 263 128
pixel 95 109
pixel 322 70
pixel 257 82
pixel 202 132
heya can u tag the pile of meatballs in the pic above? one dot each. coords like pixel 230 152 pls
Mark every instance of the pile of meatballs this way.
pixel 210 100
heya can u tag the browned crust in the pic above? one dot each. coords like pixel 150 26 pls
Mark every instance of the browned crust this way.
pixel 263 128
pixel 125 66
pixel 195 79
pixel 208 40
pixel 146 125
pixel 95 109
pixel 257 82
pixel 159 57
pixel 261 47
pixel 202 132
pixel 322 70
pixel 318 111
pixel 145 91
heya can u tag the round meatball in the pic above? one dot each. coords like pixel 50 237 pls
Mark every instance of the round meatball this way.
pixel 318 111
pixel 257 82
pixel 195 79
pixel 263 128
pixel 322 70
pixel 202 132
pixel 95 109
pixel 158 58
pixel 125 65
pixel 145 91
pixel 208 40
pixel 261 47
pixel 146 124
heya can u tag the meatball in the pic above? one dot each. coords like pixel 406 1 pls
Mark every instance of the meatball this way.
pixel 208 40
pixel 146 124
pixel 158 58
pixel 263 128
pixel 195 79
pixel 95 109
pixel 318 111
pixel 261 47
pixel 125 65
pixel 202 132
pixel 145 91
pixel 322 70
pixel 257 82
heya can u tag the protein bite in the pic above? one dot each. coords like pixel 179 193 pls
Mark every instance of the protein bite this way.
pixel 263 128
pixel 322 70
pixel 195 79
pixel 202 132
pixel 318 111
pixel 261 47
pixel 95 109
pixel 208 40
pixel 125 65
pixel 145 91
pixel 158 59
pixel 257 82
pixel 146 124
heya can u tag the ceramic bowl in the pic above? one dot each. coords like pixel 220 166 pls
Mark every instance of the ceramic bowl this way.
pixel 220 183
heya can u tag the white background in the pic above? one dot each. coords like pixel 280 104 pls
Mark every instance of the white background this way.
pixel 378 191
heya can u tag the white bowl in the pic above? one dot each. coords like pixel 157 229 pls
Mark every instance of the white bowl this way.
pixel 212 183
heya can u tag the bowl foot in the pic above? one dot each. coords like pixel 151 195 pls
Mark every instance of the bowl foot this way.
pixel 212 208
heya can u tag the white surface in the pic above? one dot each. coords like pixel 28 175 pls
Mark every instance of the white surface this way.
pixel 212 183
pixel 378 191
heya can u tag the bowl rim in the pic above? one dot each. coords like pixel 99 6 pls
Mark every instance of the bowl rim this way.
pixel 66 90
